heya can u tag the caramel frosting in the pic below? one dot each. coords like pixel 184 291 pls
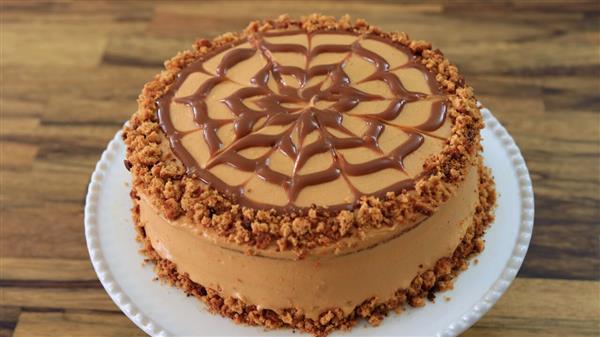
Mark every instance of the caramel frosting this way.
pixel 318 282
pixel 289 119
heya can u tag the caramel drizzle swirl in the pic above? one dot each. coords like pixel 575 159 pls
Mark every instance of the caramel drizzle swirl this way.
pixel 302 120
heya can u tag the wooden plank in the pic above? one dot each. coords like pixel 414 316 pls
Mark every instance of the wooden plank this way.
pixel 53 182
pixel 17 156
pixel 45 45
pixel 493 326
pixel 25 224
pixel 8 320
pixel 57 298
pixel 141 50
pixel 107 98
pixel 20 125
pixel 541 307
pixel 545 298
pixel 75 324
pixel 30 269
pixel 559 158
pixel 546 56
pixel 211 19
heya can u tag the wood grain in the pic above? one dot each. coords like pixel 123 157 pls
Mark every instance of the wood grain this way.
pixel 543 307
pixel 74 324
pixel 70 72
pixel 53 270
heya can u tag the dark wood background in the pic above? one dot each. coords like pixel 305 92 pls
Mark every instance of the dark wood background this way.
pixel 71 72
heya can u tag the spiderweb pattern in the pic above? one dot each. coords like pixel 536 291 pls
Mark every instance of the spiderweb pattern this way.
pixel 283 105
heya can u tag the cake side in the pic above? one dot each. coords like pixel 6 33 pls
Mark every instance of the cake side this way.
pixel 322 279
pixel 424 285
pixel 158 174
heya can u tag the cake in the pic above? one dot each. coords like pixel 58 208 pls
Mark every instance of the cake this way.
pixel 309 173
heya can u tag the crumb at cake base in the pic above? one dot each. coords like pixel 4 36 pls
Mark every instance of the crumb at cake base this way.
pixel 423 286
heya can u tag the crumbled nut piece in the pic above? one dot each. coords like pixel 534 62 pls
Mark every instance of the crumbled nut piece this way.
pixel 286 230
pixel 326 318
pixel 417 301
pixel 346 221
pixel 375 320
pixel 259 227
pixel 300 226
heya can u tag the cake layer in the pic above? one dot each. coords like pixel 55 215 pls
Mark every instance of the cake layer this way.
pixel 322 281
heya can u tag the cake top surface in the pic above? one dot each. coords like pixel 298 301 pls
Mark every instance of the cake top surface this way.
pixel 300 134
pixel 289 119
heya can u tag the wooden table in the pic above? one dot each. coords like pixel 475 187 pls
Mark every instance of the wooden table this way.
pixel 71 72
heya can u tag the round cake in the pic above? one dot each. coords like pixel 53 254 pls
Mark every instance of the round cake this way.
pixel 309 173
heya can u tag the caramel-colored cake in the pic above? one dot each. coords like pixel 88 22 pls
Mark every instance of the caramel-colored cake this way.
pixel 309 173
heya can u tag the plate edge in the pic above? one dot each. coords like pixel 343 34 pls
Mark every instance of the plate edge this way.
pixel 514 263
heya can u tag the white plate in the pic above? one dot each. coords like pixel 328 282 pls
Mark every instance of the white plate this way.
pixel 161 310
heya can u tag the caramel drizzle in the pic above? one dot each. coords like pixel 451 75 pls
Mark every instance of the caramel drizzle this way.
pixel 301 120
